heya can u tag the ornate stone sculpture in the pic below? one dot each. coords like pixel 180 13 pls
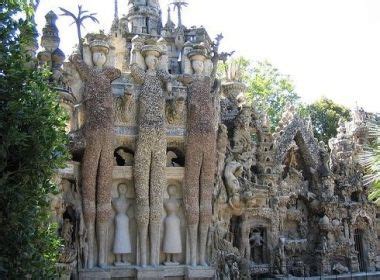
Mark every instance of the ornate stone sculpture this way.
pixel 97 161
pixel 122 241
pixel 150 156
pixel 172 238
pixel 200 153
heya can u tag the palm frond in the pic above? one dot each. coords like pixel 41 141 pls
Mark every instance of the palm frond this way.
pixel 67 13
pixel 94 19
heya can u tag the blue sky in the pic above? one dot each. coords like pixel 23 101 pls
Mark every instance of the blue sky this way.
pixel 328 47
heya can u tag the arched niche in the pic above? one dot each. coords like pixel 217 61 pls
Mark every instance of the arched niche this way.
pixel 175 157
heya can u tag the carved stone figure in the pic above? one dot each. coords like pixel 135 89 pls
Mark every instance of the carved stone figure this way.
pixel 150 156
pixel 67 231
pixel 172 237
pixel 122 241
pixel 97 161
pixel 222 146
pixel 231 172
pixel 200 154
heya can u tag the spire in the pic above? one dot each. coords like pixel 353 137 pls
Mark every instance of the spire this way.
pixel 116 15
pixel 115 22
pixel 178 4
pixel 169 24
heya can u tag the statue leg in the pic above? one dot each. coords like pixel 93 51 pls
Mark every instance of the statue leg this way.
pixel 206 191
pixel 158 184
pixel 141 178
pixel 104 213
pixel 89 171
pixel 191 195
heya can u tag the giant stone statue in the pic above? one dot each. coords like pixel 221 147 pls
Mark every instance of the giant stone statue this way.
pixel 200 155
pixel 97 161
pixel 150 156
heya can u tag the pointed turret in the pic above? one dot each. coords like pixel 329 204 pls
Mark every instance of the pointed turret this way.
pixel 169 23
pixel 115 22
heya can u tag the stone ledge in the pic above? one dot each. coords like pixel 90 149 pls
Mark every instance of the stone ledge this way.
pixel 126 172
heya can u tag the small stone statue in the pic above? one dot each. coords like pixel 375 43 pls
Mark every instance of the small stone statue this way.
pixel 172 238
pixel 122 241
pixel 97 162
pixel 150 155
pixel 67 231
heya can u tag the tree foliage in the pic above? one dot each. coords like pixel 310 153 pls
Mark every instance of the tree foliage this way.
pixel 32 146
pixel 370 158
pixel 235 69
pixel 325 115
pixel 270 90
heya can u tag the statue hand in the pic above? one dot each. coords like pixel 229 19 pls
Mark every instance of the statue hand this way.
pixel 74 57
pixel 169 87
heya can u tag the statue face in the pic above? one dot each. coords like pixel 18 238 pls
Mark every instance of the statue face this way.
pixel 171 190
pixel 198 66
pixel 151 62
pixel 99 58
pixel 122 189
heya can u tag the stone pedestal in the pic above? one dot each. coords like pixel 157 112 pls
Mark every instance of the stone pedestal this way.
pixel 200 273
pixel 149 273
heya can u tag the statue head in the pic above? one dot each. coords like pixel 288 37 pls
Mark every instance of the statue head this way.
pixel 99 48
pixel 172 190
pixel 122 189
pixel 99 58
pixel 198 57
pixel 151 54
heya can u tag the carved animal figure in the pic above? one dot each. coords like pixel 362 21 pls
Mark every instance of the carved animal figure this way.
pixel 231 172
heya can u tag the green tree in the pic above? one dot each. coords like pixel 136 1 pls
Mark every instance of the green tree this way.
pixel 270 91
pixel 235 69
pixel 32 147
pixel 325 115
pixel 370 159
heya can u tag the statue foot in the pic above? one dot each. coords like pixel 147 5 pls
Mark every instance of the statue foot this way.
pixel 103 265
pixel 203 263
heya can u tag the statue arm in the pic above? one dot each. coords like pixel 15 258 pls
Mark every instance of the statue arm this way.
pixel 185 79
pixel 80 66
pixel 112 73
pixel 137 73
pixel 165 78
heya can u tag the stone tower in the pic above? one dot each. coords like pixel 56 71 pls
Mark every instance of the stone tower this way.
pixel 144 17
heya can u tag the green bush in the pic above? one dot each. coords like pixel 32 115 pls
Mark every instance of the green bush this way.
pixel 32 147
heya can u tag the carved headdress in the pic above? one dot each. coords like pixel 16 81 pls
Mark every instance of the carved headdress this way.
pixel 199 52
pixel 98 42
pixel 151 50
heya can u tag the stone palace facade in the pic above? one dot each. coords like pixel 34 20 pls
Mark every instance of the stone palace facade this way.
pixel 173 176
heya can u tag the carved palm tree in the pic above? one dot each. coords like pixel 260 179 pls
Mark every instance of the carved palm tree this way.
pixel 78 21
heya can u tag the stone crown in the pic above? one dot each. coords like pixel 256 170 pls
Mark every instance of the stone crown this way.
pixel 151 49
pixel 99 42
pixel 197 54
